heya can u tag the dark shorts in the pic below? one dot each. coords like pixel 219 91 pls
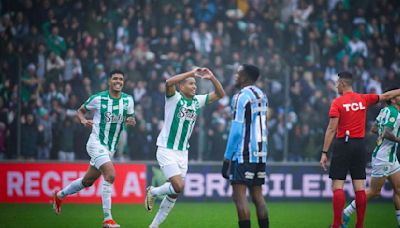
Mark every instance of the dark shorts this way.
pixel 249 174
pixel 348 156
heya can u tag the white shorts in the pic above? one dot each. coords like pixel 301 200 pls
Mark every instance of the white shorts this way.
pixel 172 162
pixel 99 154
pixel 384 169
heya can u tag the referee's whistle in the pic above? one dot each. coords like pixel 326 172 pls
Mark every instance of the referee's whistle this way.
pixel 346 138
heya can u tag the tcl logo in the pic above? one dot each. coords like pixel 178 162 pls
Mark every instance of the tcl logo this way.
pixel 354 106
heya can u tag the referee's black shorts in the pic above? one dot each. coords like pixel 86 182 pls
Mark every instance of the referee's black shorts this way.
pixel 348 156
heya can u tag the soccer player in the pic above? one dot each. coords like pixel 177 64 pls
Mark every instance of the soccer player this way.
pixel 112 109
pixel 181 111
pixel 347 120
pixel 246 150
pixel 384 160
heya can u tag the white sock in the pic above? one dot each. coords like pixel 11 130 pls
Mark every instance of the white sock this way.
pixel 74 187
pixel 351 208
pixel 398 216
pixel 165 207
pixel 165 189
pixel 106 198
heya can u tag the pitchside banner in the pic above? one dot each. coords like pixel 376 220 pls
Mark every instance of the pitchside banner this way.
pixel 283 182
pixel 35 183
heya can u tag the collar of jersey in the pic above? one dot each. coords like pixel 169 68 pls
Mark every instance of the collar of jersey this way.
pixel 109 95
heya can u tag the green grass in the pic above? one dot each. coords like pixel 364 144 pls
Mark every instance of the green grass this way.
pixel 207 215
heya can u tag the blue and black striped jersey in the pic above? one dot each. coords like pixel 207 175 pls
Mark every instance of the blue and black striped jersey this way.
pixel 247 142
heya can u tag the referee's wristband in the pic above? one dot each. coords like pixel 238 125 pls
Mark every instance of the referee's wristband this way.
pixel 324 152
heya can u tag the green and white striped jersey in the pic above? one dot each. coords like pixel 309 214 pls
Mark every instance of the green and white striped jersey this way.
pixel 180 116
pixel 109 116
pixel 385 149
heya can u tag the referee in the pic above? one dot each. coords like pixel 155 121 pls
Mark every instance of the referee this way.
pixel 347 120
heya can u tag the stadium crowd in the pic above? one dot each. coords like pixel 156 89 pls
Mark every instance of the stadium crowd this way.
pixel 61 51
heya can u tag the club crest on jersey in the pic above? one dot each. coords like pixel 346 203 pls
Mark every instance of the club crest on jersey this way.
pixel 354 106
pixel 391 119
pixel 104 106
pixel 188 114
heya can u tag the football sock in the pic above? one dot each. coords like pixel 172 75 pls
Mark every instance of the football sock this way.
pixel 338 204
pixel 74 187
pixel 165 207
pixel 106 198
pixel 361 204
pixel 398 216
pixel 244 224
pixel 263 223
pixel 351 208
pixel 165 189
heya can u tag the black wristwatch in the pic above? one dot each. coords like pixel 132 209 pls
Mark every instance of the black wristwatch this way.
pixel 324 152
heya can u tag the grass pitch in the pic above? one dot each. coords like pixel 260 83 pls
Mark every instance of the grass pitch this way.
pixel 205 215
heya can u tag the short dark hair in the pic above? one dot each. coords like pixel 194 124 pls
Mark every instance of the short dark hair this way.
pixel 116 71
pixel 251 71
pixel 346 76
pixel 388 102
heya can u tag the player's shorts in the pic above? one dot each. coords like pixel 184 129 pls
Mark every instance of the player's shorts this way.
pixel 172 162
pixel 99 154
pixel 347 157
pixel 384 169
pixel 250 174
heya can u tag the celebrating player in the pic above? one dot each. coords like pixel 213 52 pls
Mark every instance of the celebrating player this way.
pixel 181 111
pixel 384 160
pixel 347 120
pixel 112 109
pixel 246 150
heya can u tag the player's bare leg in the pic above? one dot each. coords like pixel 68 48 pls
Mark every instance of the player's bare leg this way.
pixel 177 184
pixel 75 186
pixel 259 202
pixel 108 172
pixel 242 205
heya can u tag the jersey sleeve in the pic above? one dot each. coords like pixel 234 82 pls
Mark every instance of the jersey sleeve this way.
pixel 371 99
pixel 174 98
pixel 390 118
pixel 236 131
pixel 334 111
pixel 91 103
pixel 131 107
pixel 203 100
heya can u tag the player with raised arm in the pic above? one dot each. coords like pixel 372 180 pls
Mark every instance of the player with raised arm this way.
pixel 246 150
pixel 384 160
pixel 112 109
pixel 181 111
pixel 347 121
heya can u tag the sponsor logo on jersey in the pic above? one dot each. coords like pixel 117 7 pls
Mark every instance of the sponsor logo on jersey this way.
pixel 354 106
pixel 112 118
pixel 104 106
pixel 186 113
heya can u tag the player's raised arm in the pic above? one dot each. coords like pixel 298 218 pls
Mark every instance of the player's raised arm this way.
pixel 171 82
pixel 389 95
pixel 219 91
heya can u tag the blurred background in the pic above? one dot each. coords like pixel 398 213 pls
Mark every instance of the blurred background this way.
pixel 55 54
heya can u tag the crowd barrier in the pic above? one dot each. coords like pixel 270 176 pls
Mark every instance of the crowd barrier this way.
pixel 35 183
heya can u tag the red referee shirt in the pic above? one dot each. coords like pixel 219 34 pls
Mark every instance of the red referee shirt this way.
pixel 351 109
